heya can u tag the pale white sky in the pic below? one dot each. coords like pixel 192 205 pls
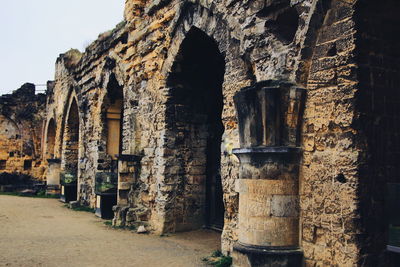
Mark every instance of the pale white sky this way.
pixel 34 32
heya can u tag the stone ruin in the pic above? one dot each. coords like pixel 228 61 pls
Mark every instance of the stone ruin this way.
pixel 274 122
pixel 21 118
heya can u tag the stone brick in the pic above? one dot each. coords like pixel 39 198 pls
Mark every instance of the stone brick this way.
pixel 342 52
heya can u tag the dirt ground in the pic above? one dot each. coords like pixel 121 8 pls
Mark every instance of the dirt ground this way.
pixel 42 232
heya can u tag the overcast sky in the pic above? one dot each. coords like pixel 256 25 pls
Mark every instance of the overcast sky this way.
pixel 34 32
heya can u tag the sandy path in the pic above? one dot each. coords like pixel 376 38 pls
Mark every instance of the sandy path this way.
pixel 42 232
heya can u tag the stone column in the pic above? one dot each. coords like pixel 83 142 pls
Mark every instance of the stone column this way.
pixel 269 115
pixel 53 186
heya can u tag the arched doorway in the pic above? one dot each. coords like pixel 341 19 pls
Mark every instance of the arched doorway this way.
pixel 53 168
pixel 70 156
pixel 50 139
pixel 194 111
pixel 106 184
pixel 114 111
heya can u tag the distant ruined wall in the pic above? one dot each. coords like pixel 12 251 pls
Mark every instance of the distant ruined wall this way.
pixel 21 117
pixel 311 42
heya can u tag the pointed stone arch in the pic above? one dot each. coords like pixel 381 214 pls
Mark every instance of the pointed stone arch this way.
pixel 194 129
pixel 205 20
pixel 50 139
pixel 112 117
pixel 318 12
pixel 70 151
pixel 111 106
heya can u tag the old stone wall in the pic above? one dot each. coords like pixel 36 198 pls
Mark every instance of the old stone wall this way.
pixel 256 43
pixel 329 176
pixel 172 123
pixel 83 79
pixel 21 117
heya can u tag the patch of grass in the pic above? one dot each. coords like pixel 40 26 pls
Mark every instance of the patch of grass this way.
pixel 44 196
pixel 80 208
pixel 108 223
pixel 131 227
pixel 9 194
pixel 120 227
pixel 217 253
pixel 224 261
pixel 84 208
pixel 218 259
pixel 17 194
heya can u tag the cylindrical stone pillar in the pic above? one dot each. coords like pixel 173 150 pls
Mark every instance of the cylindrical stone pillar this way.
pixel 53 177
pixel 269 115
pixel 269 197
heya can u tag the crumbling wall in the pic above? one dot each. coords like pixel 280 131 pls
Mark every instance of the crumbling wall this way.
pixel 248 36
pixel 21 117
pixel 84 78
pixel 258 40
pixel 310 42
pixel 330 171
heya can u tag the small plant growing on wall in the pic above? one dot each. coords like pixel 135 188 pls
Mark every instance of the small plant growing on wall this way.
pixel 218 259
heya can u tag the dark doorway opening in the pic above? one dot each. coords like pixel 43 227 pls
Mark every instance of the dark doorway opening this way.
pixel 27 165
pixel 194 115
pixel 106 183
pixel 51 138
pixel 3 164
pixel 69 177
pixel 114 115
pixel 71 139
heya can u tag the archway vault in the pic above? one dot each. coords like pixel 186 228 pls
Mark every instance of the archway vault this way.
pixel 196 16
pixel 192 178
pixel 70 152
pixel 50 138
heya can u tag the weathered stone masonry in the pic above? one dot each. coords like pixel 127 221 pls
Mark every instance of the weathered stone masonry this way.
pixel 175 67
pixel 21 116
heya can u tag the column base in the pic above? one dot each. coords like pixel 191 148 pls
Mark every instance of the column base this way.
pixel 120 215
pixel 252 256
pixel 53 190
